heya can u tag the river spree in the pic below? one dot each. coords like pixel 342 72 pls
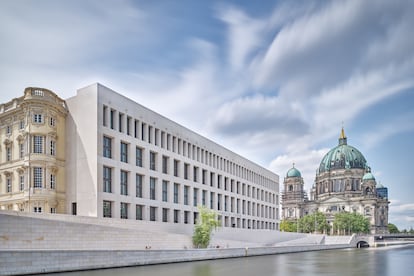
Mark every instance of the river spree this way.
pixel 369 261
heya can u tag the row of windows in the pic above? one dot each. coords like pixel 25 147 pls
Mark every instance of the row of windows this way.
pixel 206 177
pixel 199 196
pixel 38 178
pixel 178 216
pixel 125 124
pixel 40 145
pixel 37 118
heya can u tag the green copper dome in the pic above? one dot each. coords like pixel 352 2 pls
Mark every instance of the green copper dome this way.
pixel 368 176
pixel 342 156
pixel 293 172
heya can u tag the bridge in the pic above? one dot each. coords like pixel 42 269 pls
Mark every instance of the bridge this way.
pixel 377 240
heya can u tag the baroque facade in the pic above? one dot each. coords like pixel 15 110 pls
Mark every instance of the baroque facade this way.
pixel 343 182
pixel 32 152
pixel 115 158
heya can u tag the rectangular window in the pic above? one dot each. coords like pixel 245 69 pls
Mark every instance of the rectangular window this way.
pixel 128 125
pixel 186 217
pixel 153 213
pixel 204 198
pixel 139 212
pixel 104 111
pixel 21 124
pixel 186 167
pixel 164 191
pixel 124 182
pixel 21 178
pixel 53 148
pixel 52 121
pixel 176 216
pixel 107 209
pixel 107 180
pixel 124 210
pixel 153 160
pixel 37 177
pixel 9 185
pixel 195 197
pixel 112 119
pixel 165 214
pixel 37 144
pixel 120 122
pixel 186 188
pixel 195 174
pixel 165 164
pixel 176 191
pixel 8 129
pixel 37 92
pixel 37 209
pixel 37 118
pixel 124 152
pixel 53 210
pixel 138 185
pixel 204 176
pixel 176 166
pixel 107 147
pixel 21 150
pixel 152 188
pixel 52 184
pixel 138 157
pixel 8 153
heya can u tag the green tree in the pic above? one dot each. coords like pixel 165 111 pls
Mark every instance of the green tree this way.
pixel 315 222
pixel 348 223
pixel 205 224
pixel 393 229
pixel 288 226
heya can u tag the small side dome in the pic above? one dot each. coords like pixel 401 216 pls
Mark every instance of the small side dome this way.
pixel 293 172
pixel 368 176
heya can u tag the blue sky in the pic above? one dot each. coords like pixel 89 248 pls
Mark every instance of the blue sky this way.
pixel 270 80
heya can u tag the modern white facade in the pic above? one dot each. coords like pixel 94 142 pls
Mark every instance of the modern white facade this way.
pixel 126 161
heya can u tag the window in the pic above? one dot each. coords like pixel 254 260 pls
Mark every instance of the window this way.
pixel 8 153
pixel 176 165
pixel 124 183
pixel 37 209
pixel 195 174
pixel 186 217
pixel 120 122
pixel 165 214
pixel 8 129
pixel 21 124
pixel 165 164
pixel 204 177
pixel 124 210
pixel 112 119
pixel 52 184
pixel 176 216
pixel 153 212
pixel 53 148
pixel 53 210
pixel 21 179
pixel 37 144
pixel 37 177
pixel 37 118
pixel 186 188
pixel 37 92
pixel 164 190
pixel 152 188
pixel 138 185
pixel 186 166
pixel 107 180
pixel 104 113
pixel 9 185
pixel 107 147
pixel 139 212
pixel 153 160
pixel 138 157
pixel 128 125
pixel 21 150
pixel 124 152
pixel 107 209
pixel 204 197
pixel 52 121
pixel 176 190
pixel 195 196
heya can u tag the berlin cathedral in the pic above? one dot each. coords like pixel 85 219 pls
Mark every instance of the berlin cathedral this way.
pixel 343 182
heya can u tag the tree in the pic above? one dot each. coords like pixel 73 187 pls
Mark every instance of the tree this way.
pixel 393 229
pixel 288 226
pixel 347 223
pixel 315 222
pixel 205 224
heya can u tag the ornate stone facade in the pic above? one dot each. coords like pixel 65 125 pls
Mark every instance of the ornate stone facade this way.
pixel 343 182
pixel 32 152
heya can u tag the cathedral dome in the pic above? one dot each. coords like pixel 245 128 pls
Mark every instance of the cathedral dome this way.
pixel 342 156
pixel 293 172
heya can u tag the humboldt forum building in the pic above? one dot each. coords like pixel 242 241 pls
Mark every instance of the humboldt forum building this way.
pixel 100 154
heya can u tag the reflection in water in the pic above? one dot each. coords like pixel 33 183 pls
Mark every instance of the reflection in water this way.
pixel 361 262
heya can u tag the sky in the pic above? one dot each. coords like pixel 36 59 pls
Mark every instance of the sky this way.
pixel 273 81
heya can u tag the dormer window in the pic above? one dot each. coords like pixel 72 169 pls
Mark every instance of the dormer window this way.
pixel 37 92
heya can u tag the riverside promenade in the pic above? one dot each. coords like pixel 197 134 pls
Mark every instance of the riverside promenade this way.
pixel 44 243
